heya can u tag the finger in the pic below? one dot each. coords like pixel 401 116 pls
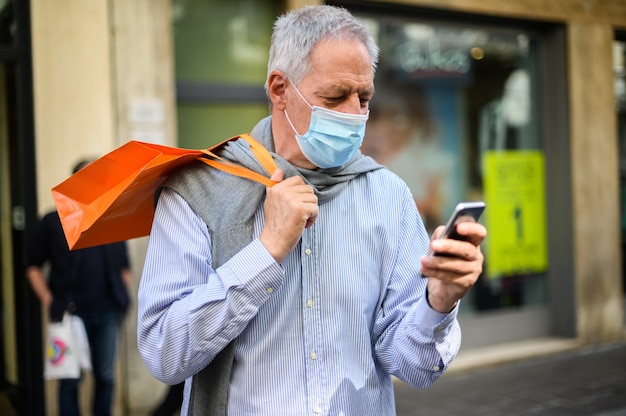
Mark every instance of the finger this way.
pixel 474 232
pixel 310 221
pixel 296 185
pixel 458 255
pixel 437 233
pixel 446 247
pixel 452 269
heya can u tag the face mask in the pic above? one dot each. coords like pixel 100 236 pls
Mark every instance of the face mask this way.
pixel 333 137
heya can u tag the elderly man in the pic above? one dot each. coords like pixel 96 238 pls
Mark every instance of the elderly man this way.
pixel 306 297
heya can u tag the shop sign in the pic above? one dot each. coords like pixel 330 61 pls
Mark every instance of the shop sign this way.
pixel 515 215
pixel 431 59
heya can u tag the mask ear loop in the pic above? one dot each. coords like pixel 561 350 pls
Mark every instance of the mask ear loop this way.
pixel 290 123
pixel 303 99
pixel 299 93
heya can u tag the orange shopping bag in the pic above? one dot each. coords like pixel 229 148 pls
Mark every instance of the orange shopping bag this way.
pixel 112 198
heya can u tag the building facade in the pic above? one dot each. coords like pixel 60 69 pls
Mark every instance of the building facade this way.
pixel 519 103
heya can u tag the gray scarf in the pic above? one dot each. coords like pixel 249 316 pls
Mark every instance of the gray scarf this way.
pixel 228 204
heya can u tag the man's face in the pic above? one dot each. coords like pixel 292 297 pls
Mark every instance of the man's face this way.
pixel 340 78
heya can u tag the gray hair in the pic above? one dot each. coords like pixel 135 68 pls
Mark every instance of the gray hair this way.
pixel 297 32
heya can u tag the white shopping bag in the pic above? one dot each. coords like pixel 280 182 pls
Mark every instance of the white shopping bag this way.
pixel 67 349
pixel 82 343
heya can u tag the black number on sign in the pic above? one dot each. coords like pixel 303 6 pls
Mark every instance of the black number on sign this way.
pixel 517 212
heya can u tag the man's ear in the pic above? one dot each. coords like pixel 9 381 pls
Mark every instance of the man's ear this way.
pixel 276 85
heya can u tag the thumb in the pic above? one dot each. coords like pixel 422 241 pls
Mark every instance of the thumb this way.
pixel 437 233
pixel 278 175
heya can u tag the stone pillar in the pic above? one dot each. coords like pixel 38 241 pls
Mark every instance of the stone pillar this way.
pixel 72 84
pixel 595 183
pixel 145 109
pixel 73 103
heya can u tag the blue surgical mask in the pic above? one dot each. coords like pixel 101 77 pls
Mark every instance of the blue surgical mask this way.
pixel 333 137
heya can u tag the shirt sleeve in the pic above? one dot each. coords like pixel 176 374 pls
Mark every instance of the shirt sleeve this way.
pixel 416 343
pixel 38 245
pixel 187 311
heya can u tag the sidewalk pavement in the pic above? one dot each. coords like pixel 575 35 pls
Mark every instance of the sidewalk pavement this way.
pixel 582 381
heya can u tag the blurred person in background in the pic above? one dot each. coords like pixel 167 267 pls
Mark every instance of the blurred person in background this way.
pixel 91 283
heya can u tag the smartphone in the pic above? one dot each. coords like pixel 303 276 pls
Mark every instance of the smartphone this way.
pixel 463 212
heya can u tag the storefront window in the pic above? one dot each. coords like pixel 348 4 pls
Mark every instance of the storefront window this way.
pixel 455 114
pixel 221 50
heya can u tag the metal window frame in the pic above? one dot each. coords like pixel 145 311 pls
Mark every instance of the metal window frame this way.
pixel 190 92
pixel 23 196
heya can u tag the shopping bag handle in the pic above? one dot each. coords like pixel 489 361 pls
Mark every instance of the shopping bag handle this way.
pixel 263 156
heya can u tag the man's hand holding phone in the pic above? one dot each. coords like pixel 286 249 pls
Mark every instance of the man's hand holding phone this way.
pixel 454 261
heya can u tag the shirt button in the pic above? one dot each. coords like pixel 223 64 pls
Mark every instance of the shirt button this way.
pixel 307 251
pixel 269 290
pixel 309 303
pixel 317 410
pixel 436 368
pixel 313 355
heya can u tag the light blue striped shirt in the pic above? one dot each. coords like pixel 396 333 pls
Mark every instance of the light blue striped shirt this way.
pixel 319 334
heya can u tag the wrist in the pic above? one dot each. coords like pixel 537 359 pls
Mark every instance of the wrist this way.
pixel 273 246
pixel 46 300
pixel 440 303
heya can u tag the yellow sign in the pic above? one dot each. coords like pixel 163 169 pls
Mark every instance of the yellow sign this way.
pixel 515 214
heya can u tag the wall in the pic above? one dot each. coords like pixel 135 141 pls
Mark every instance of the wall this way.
pixel 610 12
pixel 73 101
pixel 72 83
pixel 594 160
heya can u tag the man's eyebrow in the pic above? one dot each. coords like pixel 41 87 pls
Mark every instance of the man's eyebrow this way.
pixel 368 91
pixel 333 89
pixel 342 90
